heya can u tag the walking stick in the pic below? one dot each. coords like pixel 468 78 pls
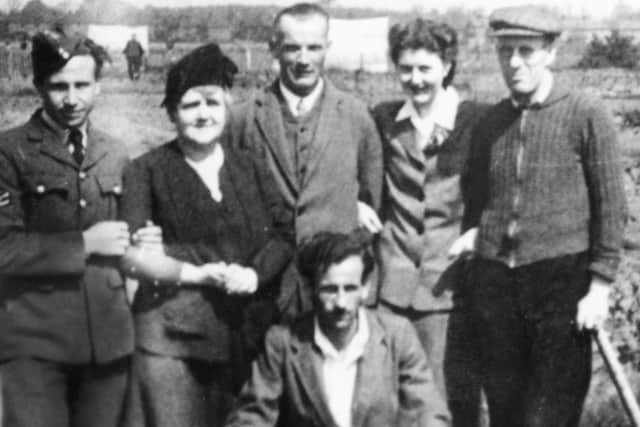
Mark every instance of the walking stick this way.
pixel 620 380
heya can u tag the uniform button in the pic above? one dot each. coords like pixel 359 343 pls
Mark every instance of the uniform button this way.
pixel 82 175
pixel 266 229
pixel 156 283
pixel 82 203
pixel 303 130
pixel 40 189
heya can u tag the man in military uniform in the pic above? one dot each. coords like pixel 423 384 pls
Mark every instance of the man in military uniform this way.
pixel 65 328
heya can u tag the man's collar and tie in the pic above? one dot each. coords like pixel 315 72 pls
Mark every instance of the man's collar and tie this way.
pixel 75 138
pixel 298 105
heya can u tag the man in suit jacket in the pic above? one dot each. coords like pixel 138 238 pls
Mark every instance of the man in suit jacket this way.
pixel 65 327
pixel 341 365
pixel 320 143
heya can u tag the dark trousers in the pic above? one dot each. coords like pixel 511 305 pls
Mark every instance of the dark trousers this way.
pixel 171 392
pixel 537 364
pixel 41 393
pixel 134 64
pixel 449 341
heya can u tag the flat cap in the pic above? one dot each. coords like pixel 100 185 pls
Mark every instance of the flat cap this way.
pixel 205 65
pixel 51 50
pixel 526 20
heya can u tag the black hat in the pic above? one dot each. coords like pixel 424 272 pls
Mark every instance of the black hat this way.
pixel 527 20
pixel 205 65
pixel 51 50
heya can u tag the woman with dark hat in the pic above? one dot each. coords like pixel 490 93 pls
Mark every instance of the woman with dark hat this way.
pixel 208 250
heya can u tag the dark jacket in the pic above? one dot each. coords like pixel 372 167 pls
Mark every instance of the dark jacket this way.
pixel 547 181
pixel 394 385
pixel 415 271
pixel 133 49
pixel 198 322
pixel 57 304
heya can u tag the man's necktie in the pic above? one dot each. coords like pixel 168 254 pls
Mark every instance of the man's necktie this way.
pixel 75 141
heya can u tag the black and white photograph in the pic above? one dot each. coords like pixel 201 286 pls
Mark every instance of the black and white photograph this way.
pixel 321 213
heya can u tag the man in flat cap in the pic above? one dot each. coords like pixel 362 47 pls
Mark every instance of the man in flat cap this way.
pixel 545 212
pixel 65 328
pixel 321 144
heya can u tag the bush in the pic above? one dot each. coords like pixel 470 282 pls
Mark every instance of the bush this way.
pixel 614 50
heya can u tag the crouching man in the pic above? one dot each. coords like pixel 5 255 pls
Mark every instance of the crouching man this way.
pixel 341 365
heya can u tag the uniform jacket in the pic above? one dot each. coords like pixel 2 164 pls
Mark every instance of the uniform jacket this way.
pixel 394 385
pixel 414 269
pixel 344 164
pixel 56 303
pixel 160 186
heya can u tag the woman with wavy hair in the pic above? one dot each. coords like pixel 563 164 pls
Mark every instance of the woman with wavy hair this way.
pixel 425 138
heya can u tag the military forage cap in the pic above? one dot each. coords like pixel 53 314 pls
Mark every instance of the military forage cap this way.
pixel 51 50
pixel 529 20
pixel 205 65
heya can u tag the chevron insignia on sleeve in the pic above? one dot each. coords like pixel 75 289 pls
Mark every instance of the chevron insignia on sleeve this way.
pixel 5 199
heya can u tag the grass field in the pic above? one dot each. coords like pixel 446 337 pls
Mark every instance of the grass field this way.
pixel 131 111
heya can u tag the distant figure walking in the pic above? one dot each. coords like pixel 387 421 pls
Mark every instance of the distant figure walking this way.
pixel 134 52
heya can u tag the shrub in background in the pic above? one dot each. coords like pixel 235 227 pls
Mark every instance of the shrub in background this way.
pixel 614 50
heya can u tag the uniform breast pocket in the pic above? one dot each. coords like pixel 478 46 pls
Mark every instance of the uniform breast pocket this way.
pixel 46 201
pixel 110 186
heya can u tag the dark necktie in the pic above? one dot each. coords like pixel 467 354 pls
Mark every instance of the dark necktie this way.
pixel 75 141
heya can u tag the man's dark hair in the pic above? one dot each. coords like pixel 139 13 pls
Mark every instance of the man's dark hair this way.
pixel 436 37
pixel 297 10
pixel 325 249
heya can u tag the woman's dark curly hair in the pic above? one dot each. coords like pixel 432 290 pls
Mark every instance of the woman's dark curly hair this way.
pixel 433 36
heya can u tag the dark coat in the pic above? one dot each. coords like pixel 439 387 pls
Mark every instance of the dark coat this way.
pixel 57 304
pixel 133 49
pixel 344 165
pixel 244 228
pixel 394 385
pixel 415 271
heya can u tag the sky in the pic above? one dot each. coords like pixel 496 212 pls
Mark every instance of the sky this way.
pixel 596 8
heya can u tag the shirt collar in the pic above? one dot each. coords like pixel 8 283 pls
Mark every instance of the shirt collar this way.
pixel 294 100
pixel 353 350
pixel 541 94
pixel 443 111
pixel 61 132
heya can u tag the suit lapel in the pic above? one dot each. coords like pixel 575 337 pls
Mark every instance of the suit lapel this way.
pixel 367 378
pixel 329 121
pixel 97 148
pixel 307 363
pixel 270 123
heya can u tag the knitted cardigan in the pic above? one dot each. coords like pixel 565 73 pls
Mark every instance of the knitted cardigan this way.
pixel 546 181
